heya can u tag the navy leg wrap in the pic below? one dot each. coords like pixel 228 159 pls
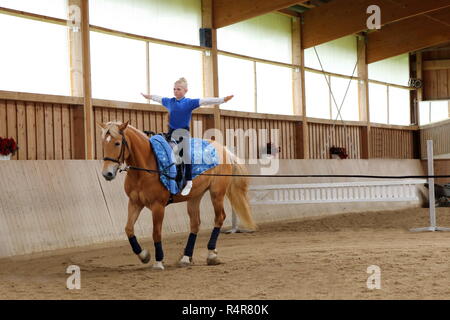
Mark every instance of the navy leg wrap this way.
pixel 135 245
pixel 189 250
pixel 159 254
pixel 213 240
pixel 188 173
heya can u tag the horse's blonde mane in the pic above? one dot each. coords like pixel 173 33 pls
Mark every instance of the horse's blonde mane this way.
pixel 113 128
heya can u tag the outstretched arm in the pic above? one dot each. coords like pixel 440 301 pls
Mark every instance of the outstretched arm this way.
pixel 209 101
pixel 153 97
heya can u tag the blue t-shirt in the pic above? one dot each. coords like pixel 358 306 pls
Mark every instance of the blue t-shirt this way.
pixel 180 111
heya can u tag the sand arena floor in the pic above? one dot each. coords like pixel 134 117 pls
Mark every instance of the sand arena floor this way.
pixel 324 258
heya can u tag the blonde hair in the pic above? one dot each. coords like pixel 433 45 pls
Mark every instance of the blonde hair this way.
pixel 182 82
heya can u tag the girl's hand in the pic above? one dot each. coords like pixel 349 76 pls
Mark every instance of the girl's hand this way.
pixel 228 98
pixel 146 96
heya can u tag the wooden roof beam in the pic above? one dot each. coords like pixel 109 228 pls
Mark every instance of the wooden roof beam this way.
pixel 307 5
pixel 227 12
pixel 438 64
pixel 289 13
pixel 409 35
pixel 340 18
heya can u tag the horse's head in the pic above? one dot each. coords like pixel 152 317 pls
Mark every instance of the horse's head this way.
pixel 115 147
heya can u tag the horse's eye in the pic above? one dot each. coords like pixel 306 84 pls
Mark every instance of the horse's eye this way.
pixel 117 143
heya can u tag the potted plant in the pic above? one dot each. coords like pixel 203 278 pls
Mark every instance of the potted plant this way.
pixel 8 147
pixel 338 153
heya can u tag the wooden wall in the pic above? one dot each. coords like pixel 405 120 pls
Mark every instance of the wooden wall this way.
pixel 51 127
pixel 391 143
pixel 284 138
pixel 42 130
pixel 324 135
pixel 436 83
pixel 441 168
pixel 438 132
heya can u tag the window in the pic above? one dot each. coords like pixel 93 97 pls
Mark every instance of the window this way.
pixel 399 108
pixel 337 56
pixel 51 8
pixel 274 89
pixel 236 76
pixel 349 109
pixel 393 70
pixel 389 105
pixel 266 37
pixel 34 56
pixel 320 102
pixel 174 20
pixel 117 68
pixel 378 102
pixel 440 110
pixel 270 85
pixel 317 96
pixel 168 64
pixel 433 111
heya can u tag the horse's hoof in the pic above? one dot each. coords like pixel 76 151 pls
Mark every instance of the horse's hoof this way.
pixel 158 265
pixel 144 256
pixel 212 259
pixel 185 261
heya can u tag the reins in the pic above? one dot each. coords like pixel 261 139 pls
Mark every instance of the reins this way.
pixel 122 156
pixel 124 143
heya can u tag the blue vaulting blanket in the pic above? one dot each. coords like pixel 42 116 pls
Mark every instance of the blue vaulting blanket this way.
pixel 203 157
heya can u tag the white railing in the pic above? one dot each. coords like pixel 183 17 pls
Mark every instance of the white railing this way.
pixel 358 191
pixel 393 190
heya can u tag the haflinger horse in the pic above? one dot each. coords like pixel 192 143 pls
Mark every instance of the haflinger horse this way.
pixel 122 143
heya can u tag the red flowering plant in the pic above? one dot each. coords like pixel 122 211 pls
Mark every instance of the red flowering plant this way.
pixel 341 152
pixel 7 146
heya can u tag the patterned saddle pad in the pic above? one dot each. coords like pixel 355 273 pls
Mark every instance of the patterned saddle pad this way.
pixel 203 157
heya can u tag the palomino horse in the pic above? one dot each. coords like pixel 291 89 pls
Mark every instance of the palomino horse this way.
pixel 124 143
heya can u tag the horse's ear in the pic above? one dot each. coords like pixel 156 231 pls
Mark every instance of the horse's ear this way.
pixel 101 125
pixel 123 126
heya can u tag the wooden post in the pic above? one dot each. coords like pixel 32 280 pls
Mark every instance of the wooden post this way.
pixel 147 66
pixel 87 89
pixel 299 151
pixel 296 73
pixel 255 88
pixel 75 49
pixel 76 78
pixel 419 75
pixel 77 132
pixel 419 92
pixel 413 102
pixel 416 96
pixel 210 64
pixel 363 95
pixel 298 78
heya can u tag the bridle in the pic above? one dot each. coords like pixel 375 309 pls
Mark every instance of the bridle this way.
pixel 122 151
pixel 122 156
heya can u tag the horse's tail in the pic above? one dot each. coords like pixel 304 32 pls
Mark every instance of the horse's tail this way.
pixel 237 193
